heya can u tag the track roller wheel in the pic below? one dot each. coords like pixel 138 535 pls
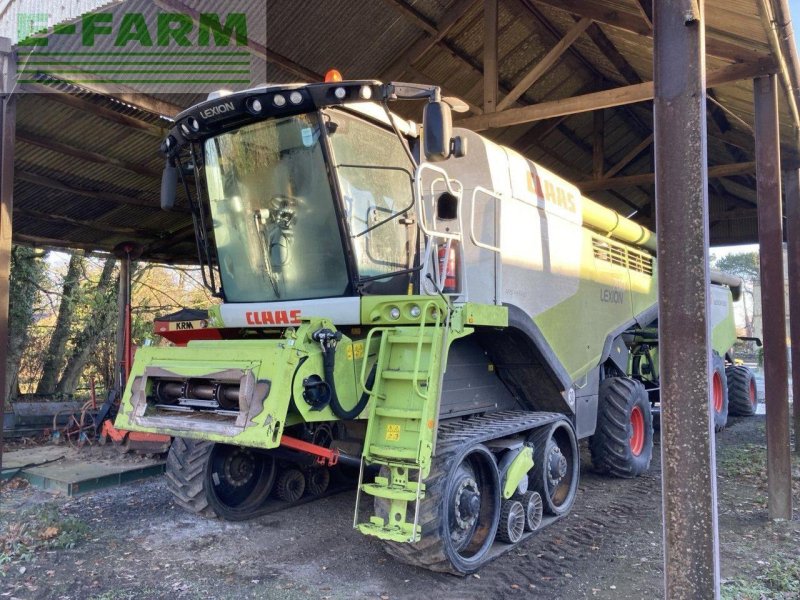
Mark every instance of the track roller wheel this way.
pixel 317 480
pixel 742 392
pixel 622 444
pixel 290 485
pixel 556 466
pixel 512 522
pixel 532 503
pixel 218 480
pixel 719 393
pixel 459 514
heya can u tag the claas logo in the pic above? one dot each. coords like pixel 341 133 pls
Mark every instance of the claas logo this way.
pixel 553 194
pixel 273 317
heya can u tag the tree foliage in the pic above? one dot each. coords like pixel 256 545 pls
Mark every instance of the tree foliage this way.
pixel 64 318
pixel 746 266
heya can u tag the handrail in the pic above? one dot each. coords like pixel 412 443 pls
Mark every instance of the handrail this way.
pixel 362 380
pixel 423 224
pixel 472 235
pixel 436 325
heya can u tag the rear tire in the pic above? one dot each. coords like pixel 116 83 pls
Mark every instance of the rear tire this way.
pixel 742 391
pixel 218 480
pixel 719 393
pixel 622 444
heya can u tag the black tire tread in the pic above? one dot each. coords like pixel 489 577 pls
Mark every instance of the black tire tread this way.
pixel 739 378
pixel 186 475
pixel 721 419
pixel 610 446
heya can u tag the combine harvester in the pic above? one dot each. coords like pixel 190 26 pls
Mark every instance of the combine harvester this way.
pixel 434 309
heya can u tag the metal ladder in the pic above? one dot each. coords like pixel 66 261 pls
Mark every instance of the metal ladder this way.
pixel 402 421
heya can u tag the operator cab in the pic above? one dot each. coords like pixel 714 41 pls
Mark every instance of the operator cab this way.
pixel 303 191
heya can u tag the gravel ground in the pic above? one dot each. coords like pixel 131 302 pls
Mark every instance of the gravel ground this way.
pixel 132 542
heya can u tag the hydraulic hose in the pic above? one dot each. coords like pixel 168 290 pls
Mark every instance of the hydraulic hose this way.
pixel 328 363
pixel 328 340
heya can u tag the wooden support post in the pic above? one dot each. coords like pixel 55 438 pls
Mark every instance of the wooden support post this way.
pixel 7 127
pixel 792 195
pixel 598 158
pixel 490 76
pixel 688 476
pixel 770 242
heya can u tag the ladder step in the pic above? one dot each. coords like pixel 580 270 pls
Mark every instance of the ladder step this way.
pixel 408 339
pixel 393 453
pixel 400 413
pixel 390 493
pixel 422 376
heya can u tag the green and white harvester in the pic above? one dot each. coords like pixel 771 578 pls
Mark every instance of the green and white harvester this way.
pixel 433 311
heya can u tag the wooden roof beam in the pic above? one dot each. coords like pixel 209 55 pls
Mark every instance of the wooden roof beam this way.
pixel 82 154
pixel 83 104
pixel 608 98
pixel 646 8
pixel 426 41
pixel 630 156
pixel 638 24
pixel 728 170
pixel 544 65
pixel 96 226
pixel 55 184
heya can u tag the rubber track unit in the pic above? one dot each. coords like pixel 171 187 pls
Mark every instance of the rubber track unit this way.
pixel 610 444
pixel 429 553
pixel 186 470
pixel 739 403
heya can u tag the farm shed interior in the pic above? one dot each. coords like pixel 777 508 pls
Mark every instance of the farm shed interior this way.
pixel 567 83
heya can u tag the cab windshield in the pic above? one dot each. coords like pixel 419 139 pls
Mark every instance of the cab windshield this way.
pixel 375 179
pixel 274 220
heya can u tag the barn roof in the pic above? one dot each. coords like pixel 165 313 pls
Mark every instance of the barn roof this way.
pixel 87 168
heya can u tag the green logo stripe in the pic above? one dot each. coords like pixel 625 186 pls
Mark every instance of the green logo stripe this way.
pixel 182 81
pixel 121 63
pixel 138 71
pixel 164 53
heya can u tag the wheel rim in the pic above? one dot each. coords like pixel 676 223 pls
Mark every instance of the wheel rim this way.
pixel 753 397
pixel 472 506
pixel 241 478
pixel 560 476
pixel 637 431
pixel 717 386
pixel 515 524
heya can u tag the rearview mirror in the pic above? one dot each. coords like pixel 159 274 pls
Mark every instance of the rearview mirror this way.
pixel 437 130
pixel 169 186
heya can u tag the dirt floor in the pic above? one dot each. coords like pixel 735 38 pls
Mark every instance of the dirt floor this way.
pixel 132 542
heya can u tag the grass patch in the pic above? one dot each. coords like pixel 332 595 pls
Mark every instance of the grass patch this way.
pixel 747 460
pixel 779 579
pixel 37 529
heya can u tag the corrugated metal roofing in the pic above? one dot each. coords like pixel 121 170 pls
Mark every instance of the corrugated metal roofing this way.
pixel 71 198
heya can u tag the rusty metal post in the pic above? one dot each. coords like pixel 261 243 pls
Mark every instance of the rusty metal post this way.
pixel 7 135
pixel 689 489
pixel 770 241
pixel 792 195
pixel 123 299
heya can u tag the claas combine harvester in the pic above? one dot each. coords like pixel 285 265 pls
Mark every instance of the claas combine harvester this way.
pixel 421 303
